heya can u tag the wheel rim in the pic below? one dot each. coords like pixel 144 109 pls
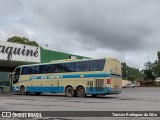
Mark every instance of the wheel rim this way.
pixel 70 92
pixel 81 92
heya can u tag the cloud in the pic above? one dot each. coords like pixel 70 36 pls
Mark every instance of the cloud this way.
pixel 126 29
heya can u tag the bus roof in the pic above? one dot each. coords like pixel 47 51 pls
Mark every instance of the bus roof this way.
pixel 64 61
pixel 59 61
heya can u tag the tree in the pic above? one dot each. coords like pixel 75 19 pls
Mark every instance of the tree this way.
pixel 152 70
pixel 158 55
pixel 157 66
pixel 149 71
pixel 130 73
pixel 22 40
pixel 124 70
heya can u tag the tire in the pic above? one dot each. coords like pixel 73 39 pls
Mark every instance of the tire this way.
pixel 37 93
pixel 70 92
pixel 81 92
pixel 22 90
pixel 93 95
pixel 27 93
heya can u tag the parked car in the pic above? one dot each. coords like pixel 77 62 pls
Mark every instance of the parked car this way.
pixel 129 85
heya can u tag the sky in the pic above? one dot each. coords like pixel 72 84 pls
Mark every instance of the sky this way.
pixel 128 30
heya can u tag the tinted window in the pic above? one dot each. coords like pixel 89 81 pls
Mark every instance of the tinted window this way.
pixel 97 65
pixel 69 67
pixel 56 68
pixel 82 66
pixel 60 68
pixel 25 70
pixel 44 69
pixel 18 70
pixel 30 70
pixel 53 69
pixel 35 70
pixel 16 75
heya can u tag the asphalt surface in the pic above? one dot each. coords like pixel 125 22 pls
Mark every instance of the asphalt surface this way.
pixel 131 99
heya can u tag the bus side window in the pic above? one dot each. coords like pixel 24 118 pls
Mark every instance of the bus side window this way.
pixel 93 66
pixel 82 66
pixel 97 65
pixel 25 70
pixel 60 68
pixel 69 67
pixel 42 69
pixel 46 68
pixel 52 69
pixel 30 70
pixel 36 69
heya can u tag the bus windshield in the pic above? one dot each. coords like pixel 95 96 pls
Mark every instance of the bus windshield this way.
pixel 16 75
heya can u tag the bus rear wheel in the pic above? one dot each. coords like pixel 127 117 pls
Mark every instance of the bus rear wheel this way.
pixel 22 90
pixel 81 92
pixel 38 93
pixel 70 92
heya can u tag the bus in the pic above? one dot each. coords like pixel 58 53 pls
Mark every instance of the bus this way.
pixel 72 77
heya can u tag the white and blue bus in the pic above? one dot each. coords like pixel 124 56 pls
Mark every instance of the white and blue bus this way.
pixel 72 77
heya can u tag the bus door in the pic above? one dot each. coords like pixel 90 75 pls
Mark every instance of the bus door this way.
pixel 11 80
pixel 14 77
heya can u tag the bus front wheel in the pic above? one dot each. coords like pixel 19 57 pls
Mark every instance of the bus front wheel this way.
pixel 70 92
pixel 81 92
pixel 22 90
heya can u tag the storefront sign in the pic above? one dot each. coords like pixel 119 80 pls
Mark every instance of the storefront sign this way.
pixel 19 52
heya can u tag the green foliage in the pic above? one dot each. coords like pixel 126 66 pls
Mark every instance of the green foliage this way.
pixel 130 73
pixel 149 71
pixel 158 54
pixel 23 40
pixel 124 70
pixel 152 70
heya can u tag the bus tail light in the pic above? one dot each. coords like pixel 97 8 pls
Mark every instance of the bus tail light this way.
pixel 108 81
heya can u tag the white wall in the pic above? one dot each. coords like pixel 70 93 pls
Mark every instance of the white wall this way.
pixel 8 52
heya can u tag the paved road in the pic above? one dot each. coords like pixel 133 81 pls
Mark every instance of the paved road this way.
pixel 131 99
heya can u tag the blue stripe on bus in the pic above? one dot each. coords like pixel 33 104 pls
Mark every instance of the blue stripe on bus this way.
pixel 86 75
pixel 59 89
pixel 71 76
